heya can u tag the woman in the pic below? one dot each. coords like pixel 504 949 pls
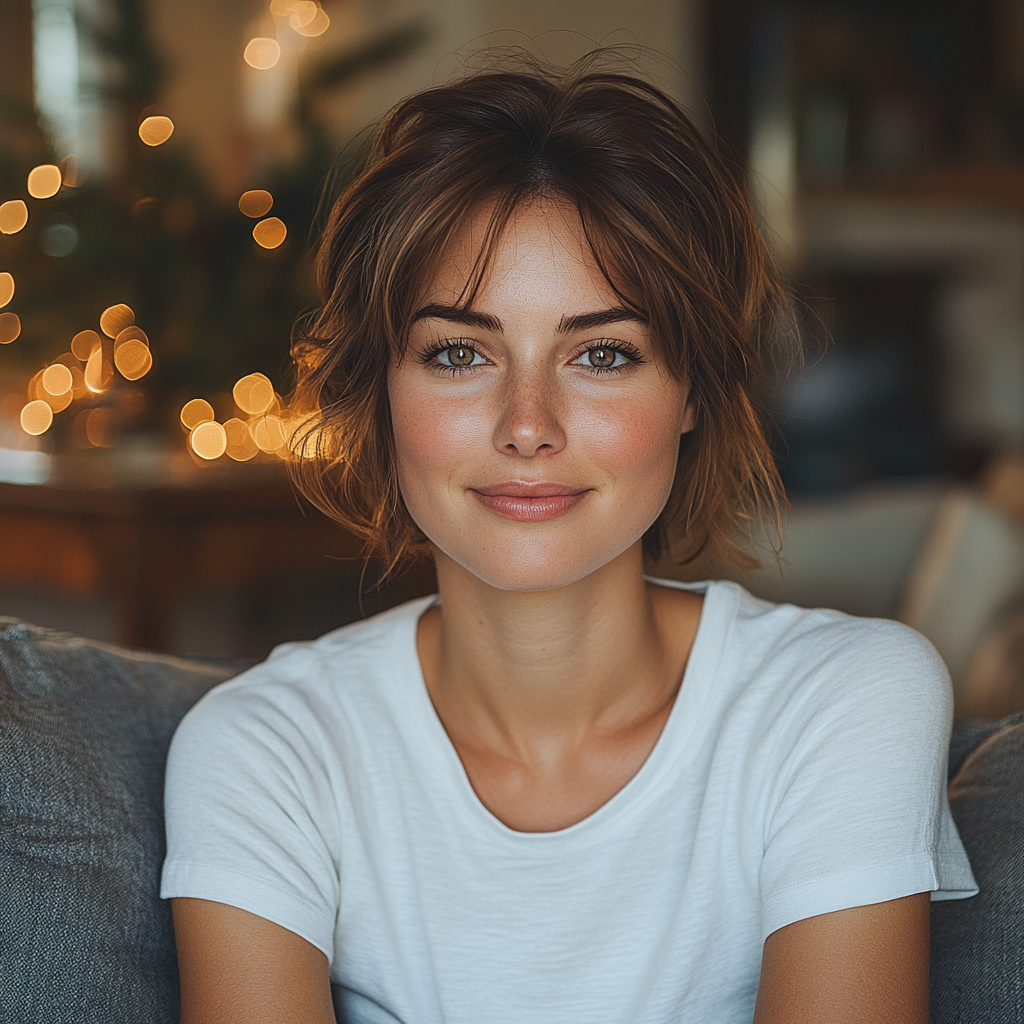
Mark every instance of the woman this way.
pixel 559 791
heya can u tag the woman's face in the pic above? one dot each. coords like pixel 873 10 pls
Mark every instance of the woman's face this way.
pixel 537 433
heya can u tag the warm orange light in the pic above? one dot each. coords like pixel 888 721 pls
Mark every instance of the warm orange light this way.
pixel 262 53
pixel 256 202
pixel 133 359
pixel 14 216
pixel 7 287
pixel 44 181
pixel 101 428
pixel 78 387
pixel 316 26
pixel 208 440
pixel 195 412
pixel 83 343
pixel 253 394
pixel 36 417
pixel 240 445
pixel 268 433
pixel 114 319
pixel 57 403
pixel 57 379
pixel 270 233
pixel 70 172
pixel 132 333
pixel 302 12
pixel 10 328
pixel 97 371
pixel 155 131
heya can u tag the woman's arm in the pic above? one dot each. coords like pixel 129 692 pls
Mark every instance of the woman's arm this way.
pixel 858 966
pixel 238 967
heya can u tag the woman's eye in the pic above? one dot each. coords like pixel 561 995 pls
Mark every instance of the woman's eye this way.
pixel 602 357
pixel 459 356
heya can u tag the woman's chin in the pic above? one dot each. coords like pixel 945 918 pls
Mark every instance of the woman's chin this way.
pixel 531 569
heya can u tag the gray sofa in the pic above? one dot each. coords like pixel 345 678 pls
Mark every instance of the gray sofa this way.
pixel 84 731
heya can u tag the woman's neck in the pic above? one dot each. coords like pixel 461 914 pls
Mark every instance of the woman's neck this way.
pixel 537 675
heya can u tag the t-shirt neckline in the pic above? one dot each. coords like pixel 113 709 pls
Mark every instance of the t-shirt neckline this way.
pixel 677 739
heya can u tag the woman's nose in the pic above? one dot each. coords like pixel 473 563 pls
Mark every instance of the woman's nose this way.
pixel 530 421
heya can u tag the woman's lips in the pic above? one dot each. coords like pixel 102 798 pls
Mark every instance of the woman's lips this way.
pixel 530 503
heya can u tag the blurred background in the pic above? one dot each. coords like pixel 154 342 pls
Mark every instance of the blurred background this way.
pixel 162 164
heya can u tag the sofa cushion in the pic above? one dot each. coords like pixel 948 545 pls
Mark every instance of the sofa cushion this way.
pixel 84 731
pixel 977 966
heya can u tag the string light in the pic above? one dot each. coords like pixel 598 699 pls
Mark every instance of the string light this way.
pixel 156 130
pixel 316 26
pixel 240 445
pixel 268 433
pixel 14 216
pixel 253 394
pixel 133 359
pixel 71 174
pixel 262 53
pixel 270 233
pixel 254 203
pixel 114 319
pixel 57 379
pixel 7 287
pixel 195 412
pixel 44 181
pixel 132 333
pixel 36 417
pixel 97 371
pixel 208 440
pixel 10 328
pixel 83 343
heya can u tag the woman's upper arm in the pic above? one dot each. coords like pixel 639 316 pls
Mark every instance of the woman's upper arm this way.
pixel 238 967
pixel 865 964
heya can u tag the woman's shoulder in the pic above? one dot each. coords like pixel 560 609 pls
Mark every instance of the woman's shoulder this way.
pixel 347 671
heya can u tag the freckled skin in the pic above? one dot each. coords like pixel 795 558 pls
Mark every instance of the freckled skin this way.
pixel 531 412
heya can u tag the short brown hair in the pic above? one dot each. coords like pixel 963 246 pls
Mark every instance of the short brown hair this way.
pixel 670 226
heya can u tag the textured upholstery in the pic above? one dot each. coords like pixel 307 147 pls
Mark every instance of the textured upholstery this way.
pixel 978 944
pixel 84 730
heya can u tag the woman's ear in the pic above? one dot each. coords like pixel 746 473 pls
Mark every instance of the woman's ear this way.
pixel 689 418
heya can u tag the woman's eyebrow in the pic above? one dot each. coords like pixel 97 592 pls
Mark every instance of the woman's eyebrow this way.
pixel 567 325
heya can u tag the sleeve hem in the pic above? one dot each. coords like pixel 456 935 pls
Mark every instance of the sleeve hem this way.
pixel 874 883
pixel 262 897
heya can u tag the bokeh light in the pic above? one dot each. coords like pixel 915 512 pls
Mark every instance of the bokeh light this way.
pixel 208 440
pixel 97 371
pixel 71 173
pixel 254 203
pixel 240 445
pixel 59 239
pixel 57 379
pixel 10 328
pixel 101 428
pixel 195 412
pixel 268 433
pixel 44 181
pixel 132 333
pixel 133 359
pixel 270 233
pixel 316 26
pixel 253 394
pixel 36 417
pixel 114 319
pixel 83 343
pixel 156 130
pixel 262 53
pixel 14 216
pixel 7 287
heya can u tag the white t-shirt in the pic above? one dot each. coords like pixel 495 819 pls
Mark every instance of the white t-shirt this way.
pixel 802 770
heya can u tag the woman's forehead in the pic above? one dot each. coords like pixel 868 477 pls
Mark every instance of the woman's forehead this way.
pixel 541 247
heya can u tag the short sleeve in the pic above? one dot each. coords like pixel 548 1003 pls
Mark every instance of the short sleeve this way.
pixel 858 813
pixel 248 813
